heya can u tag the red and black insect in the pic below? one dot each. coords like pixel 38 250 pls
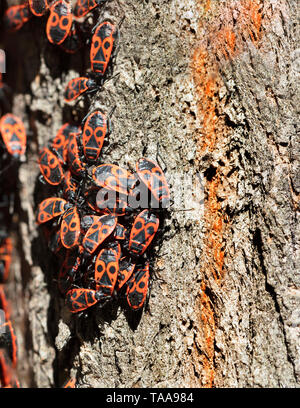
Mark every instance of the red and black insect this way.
pixel 106 271
pixel 77 167
pixel 126 268
pixel 39 7
pixel 6 248
pixel 59 23
pixel 83 7
pixel 153 177
pixel 102 46
pixel 70 228
pixel 50 167
pixel 137 287
pixel 80 299
pixel 94 131
pixel 113 177
pixel 13 134
pixel 100 229
pixel 71 383
pixel 16 16
pixel 78 86
pixel 50 208
pixel 8 341
pixel 142 232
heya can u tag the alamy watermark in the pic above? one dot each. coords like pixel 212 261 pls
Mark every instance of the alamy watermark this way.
pixel 186 195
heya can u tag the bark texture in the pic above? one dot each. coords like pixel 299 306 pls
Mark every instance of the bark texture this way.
pixel 215 83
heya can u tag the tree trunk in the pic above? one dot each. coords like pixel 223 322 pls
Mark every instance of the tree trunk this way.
pixel 213 86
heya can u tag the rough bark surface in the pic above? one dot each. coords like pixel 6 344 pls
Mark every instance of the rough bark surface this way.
pixel 215 83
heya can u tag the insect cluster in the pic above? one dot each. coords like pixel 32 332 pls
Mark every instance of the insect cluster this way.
pixel 13 147
pixel 99 218
pixel 64 26
pixel 8 342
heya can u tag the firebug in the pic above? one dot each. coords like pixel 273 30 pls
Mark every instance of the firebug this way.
pixel 78 86
pixel 137 287
pixel 142 232
pixel 102 46
pixel 50 167
pixel 16 16
pixel 106 271
pixel 50 208
pixel 113 177
pixel 94 131
pixel 70 228
pixel 13 134
pixel 98 232
pixel 59 22
pixel 80 299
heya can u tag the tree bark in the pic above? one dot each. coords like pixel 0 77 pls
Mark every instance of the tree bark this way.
pixel 213 85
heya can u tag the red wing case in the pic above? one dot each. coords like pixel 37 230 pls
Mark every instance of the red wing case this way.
pixel 13 134
pixel 98 232
pixel 142 232
pixel 81 299
pixel 50 167
pixel 106 271
pixel 50 208
pixel 70 228
pixel 93 135
pixel 138 287
pixel 102 46
pixel 59 22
